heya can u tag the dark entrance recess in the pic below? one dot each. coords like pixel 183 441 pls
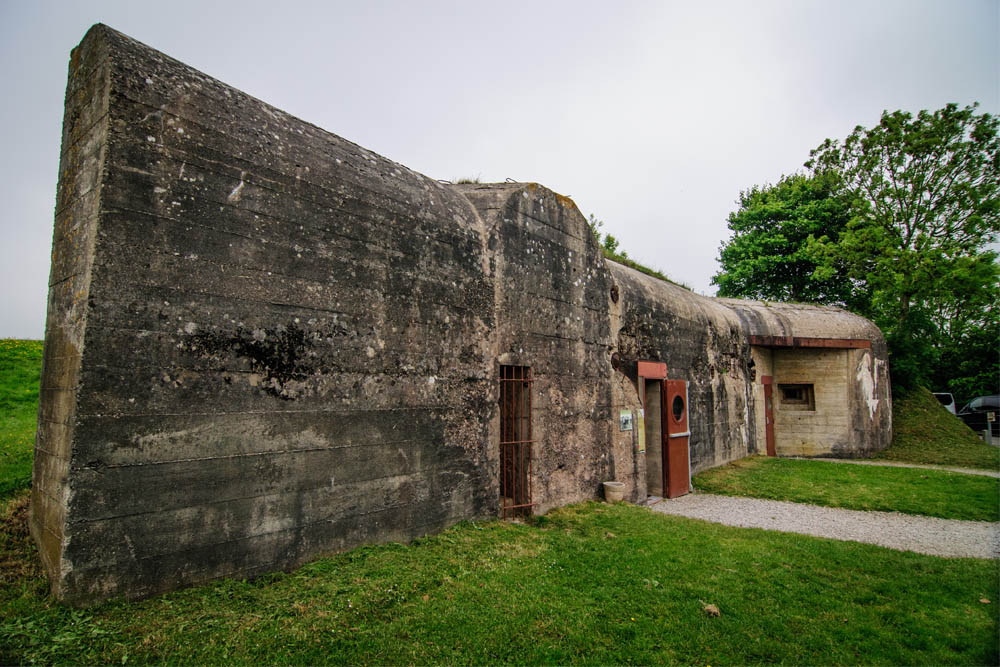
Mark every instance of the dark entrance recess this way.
pixel 654 436
pixel 667 458
pixel 515 441
pixel 768 382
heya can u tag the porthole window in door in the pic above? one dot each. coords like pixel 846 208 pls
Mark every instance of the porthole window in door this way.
pixel 677 408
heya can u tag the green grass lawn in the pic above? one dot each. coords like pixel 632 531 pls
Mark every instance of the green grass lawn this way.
pixel 20 368
pixel 911 490
pixel 924 432
pixel 588 583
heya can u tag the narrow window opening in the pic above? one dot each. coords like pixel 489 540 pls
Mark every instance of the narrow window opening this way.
pixel 797 396
pixel 515 441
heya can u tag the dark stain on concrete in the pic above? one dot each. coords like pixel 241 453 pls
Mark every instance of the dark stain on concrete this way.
pixel 279 355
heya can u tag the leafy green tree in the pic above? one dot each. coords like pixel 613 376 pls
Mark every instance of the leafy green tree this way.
pixel 925 203
pixel 968 348
pixel 768 255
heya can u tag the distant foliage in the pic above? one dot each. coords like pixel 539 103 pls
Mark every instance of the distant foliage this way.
pixel 925 194
pixel 768 256
pixel 893 222
pixel 20 371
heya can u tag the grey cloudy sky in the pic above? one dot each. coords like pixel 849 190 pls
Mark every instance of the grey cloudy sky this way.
pixel 651 115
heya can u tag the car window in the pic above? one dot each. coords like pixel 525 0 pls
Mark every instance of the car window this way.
pixel 944 399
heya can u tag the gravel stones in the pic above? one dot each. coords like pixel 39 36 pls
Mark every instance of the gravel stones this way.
pixel 905 532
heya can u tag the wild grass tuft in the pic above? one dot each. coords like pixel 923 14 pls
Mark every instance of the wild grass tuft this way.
pixel 924 432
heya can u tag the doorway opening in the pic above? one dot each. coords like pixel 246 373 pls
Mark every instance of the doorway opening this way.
pixel 668 454
pixel 652 403
pixel 515 441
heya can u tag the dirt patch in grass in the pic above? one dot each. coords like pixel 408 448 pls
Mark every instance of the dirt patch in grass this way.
pixel 18 558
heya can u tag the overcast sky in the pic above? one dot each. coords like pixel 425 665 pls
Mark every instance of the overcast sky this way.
pixel 651 115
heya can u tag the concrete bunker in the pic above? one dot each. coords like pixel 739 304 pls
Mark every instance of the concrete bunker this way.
pixel 265 343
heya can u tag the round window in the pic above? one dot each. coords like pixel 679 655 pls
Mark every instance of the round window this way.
pixel 678 408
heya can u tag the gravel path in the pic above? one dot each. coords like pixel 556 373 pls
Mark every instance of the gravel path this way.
pixel 967 471
pixel 905 532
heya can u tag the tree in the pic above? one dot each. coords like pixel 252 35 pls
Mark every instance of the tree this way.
pixel 768 256
pixel 967 353
pixel 925 203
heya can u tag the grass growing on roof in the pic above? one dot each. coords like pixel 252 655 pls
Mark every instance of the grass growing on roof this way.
pixel 20 368
pixel 911 490
pixel 588 583
pixel 621 259
pixel 924 432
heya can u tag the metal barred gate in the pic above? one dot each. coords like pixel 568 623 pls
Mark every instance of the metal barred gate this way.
pixel 515 441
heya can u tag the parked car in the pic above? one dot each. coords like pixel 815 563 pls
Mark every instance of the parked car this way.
pixel 982 411
pixel 947 400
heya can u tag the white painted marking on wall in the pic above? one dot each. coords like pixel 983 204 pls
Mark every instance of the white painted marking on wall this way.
pixel 866 380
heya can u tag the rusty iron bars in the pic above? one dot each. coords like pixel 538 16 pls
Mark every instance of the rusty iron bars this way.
pixel 515 441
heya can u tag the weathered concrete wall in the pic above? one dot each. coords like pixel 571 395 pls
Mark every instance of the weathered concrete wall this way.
pixel 265 343
pixel 701 341
pixel 825 428
pixel 552 315
pixel 287 340
pixel 81 169
pixel 853 398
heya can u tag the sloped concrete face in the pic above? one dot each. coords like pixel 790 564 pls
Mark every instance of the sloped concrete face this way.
pixel 81 169
pixel 265 343
pixel 285 348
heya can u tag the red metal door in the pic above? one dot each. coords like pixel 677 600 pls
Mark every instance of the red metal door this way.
pixel 676 456
pixel 768 383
